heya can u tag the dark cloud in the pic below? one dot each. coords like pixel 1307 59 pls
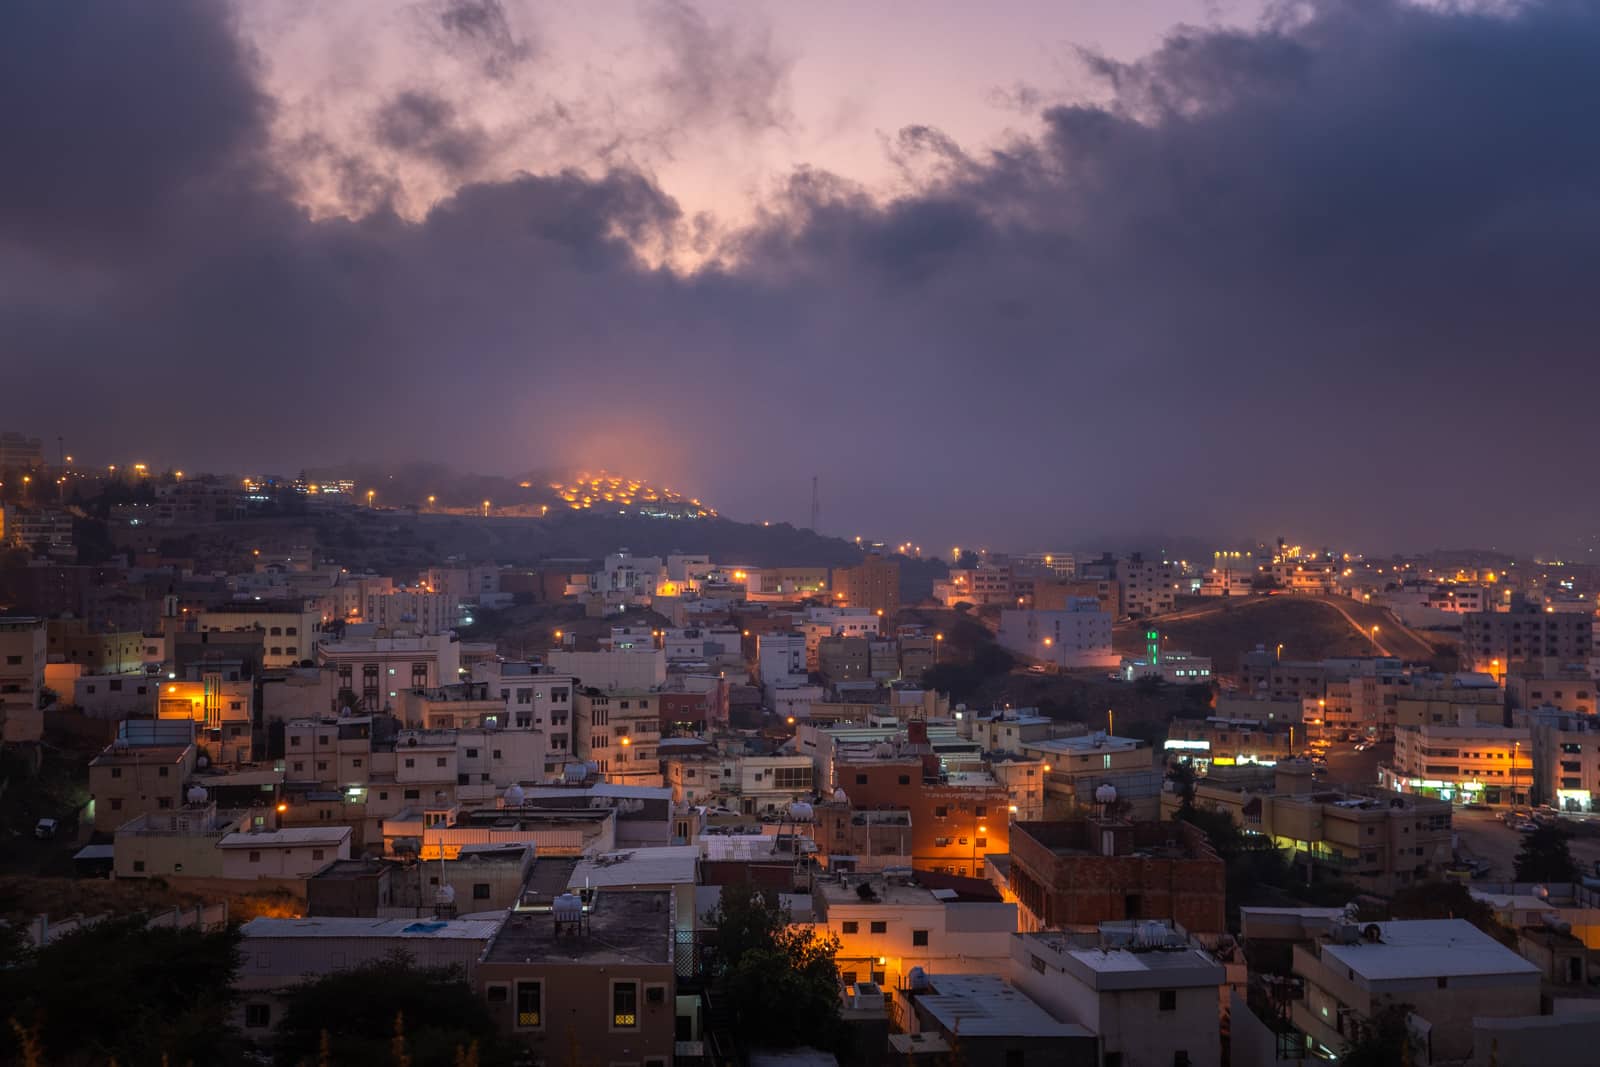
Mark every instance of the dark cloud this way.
pixel 712 73
pixel 1334 277
pixel 483 30
pixel 425 125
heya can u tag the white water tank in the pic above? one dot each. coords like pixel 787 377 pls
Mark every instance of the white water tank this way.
pixel 1106 794
pixel 800 811
pixel 568 908
pixel 197 794
pixel 514 796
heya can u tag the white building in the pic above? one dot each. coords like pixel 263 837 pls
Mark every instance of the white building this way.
pixel 1077 637
pixel 781 659
pixel 375 669
pixel 1147 1005
pixel 1149 587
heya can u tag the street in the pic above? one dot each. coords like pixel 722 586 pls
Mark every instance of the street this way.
pixel 1479 835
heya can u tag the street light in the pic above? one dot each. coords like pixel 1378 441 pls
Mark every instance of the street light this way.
pixel 486 509
pixel 372 494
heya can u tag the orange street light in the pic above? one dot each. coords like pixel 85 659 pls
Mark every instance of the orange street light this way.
pixel 282 807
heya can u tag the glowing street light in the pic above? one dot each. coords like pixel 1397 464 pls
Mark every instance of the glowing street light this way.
pixel 372 494
pixel 486 509
pixel 431 499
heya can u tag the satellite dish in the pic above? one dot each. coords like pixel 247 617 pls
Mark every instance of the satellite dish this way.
pixel 1106 794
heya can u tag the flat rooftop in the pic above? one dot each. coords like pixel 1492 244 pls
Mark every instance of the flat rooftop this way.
pixel 623 927
pixel 666 865
pixel 290 838
pixel 140 754
pixel 330 926
pixel 985 1005
pixel 1122 968
pixel 1428 948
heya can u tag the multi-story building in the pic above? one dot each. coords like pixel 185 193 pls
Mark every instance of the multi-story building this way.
pixel 596 974
pixel 1566 759
pixel 375 669
pixel 1149 587
pixel 955 819
pixel 1550 685
pixel 1446 972
pixel 889 923
pixel 874 584
pixel 20 453
pixel 417 610
pixel 1379 840
pixel 22 663
pixel 781 658
pixel 844 659
pixel 128 780
pixel 619 730
pixel 291 632
pixel 1083 872
pixel 1076 767
pixel 1061 594
pixel 751 784
pixel 1436 700
pixel 1153 1003
pixel 1498 641
pixel 784 584
pixel 1488 764
pixel 1077 636
pixel 641 668
pixel 27 527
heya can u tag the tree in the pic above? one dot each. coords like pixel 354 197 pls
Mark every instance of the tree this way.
pixel 365 1014
pixel 1383 1042
pixel 1544 857
pixel 1449 900
pixel 782 981
pixel 118 990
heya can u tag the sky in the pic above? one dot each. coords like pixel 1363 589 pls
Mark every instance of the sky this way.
pixel 1029 275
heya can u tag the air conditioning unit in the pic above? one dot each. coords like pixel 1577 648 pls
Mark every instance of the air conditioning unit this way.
pixel 655 994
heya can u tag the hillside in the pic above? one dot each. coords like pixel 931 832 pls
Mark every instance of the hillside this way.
pixel 1308 628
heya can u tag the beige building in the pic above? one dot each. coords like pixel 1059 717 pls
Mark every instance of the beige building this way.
pixel 1381 841
pixel 1446 971
pixel 22 660
pixel 619 731
pixel 181 843
pixel 597 975
pixel 290 633
pixel 299 852
pixel 1489 764
pixel 130 780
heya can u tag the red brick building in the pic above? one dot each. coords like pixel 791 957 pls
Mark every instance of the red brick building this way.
pixel 1083 872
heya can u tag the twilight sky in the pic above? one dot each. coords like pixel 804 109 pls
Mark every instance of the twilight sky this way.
pixel 1025 275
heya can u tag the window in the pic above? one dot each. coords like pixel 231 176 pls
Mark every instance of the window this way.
pixel 255 857
pixel 116 772
pixel 982 842
pixel 1168 1000
pixel 294 742
pixel 941 812
pixel 163 802
pixel 439 761
pixel 980 810
pixel 316 853
pixel 138 866
pixel 116 803
pixel 905 779
pixel 413 794
pixel 850 927
pixel 919 937
pixel 624 1005
pixel 847 977
pixel 163 771
pixel 530 1003
pixel 472 753
pixel 861 779
pixel 257 1016
pixel 1037 963
pixel 497 994
pixel 480 890
pixel 410 762
pixel 880 927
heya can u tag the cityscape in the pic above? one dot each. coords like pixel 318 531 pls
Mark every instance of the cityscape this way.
pixel 709 534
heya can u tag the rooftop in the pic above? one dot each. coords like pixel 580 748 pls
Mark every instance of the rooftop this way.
pixel 140 754
pixel 1427 948
pixel 666 865
pixel 985 1005
pixel 1120 968
pixel 291 838
pixel 328 926
pixel 623 927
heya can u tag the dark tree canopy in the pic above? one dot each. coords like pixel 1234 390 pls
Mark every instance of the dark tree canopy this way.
pixel 118 990
pixel 1545 858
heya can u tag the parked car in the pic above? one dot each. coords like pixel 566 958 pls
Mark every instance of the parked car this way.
pixel 45 829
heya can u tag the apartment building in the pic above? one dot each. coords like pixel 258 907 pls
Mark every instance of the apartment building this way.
pixel 781 658
pixel 890 922
pixel 22 663
pixel 1058 595
pixel 750 784
pixel 291 632
pixel 1550 685
pixel 1148 586
pixel 1488 764
pixel 417 610
pixel 1152 1001
pixel 1447 972
pixel 292 853
pixel 127 780
pixel 376 669
pixel 1076 637
pixel 619 730
pixel 100 651
pixel 1499 641
pixel 594 974
pixel 1566 759
pixel 1379 840
pixel 873 584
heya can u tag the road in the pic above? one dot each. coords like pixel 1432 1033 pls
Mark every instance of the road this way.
pixel 1390 638
pixel 1352 769
pixel 1479 835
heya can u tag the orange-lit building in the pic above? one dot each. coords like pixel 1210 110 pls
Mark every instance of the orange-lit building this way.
pixel 873 584
pixel 900 809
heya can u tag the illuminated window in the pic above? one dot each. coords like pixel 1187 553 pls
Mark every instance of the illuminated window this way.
pixel 530 1002
pixel 625 1005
